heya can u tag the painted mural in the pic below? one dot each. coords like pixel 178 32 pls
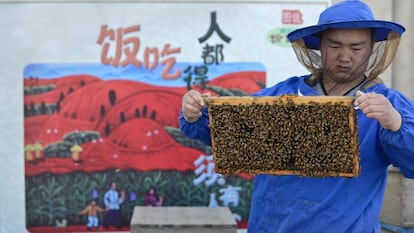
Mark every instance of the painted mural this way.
pixel 89 127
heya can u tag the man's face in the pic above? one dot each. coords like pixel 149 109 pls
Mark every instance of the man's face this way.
pixel 345 54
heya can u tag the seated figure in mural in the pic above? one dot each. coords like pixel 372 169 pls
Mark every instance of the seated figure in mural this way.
pixel 152 198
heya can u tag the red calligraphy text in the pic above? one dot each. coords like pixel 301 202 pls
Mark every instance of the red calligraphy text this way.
pixel 291 17
pixel 127 48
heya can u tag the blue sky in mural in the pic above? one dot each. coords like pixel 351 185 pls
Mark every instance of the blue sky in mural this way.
pixel 131 72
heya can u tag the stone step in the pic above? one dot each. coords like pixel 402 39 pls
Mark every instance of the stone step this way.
pixel 182 220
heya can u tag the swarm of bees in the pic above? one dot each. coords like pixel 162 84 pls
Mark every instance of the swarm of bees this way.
pixel 286 135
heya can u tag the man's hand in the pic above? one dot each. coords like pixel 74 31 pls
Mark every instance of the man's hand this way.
pixel 192 105
pixel 378 107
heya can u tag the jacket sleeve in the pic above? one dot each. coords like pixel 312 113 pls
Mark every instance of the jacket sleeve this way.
pixel 399 146
pixel 106 199
pixel 197 130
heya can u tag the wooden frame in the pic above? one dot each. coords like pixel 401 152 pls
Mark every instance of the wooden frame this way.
pixel 286 119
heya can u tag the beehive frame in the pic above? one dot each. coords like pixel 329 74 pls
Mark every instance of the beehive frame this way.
pixel 314 136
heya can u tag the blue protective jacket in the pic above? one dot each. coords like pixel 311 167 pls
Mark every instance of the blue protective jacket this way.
pixel 296 204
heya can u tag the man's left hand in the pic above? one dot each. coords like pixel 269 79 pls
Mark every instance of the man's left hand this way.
pixel 378 107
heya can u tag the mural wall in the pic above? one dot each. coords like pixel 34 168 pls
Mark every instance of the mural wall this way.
pixel 85 131
pixel 100 90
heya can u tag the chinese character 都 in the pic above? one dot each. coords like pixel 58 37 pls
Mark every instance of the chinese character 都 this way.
pixel 212 54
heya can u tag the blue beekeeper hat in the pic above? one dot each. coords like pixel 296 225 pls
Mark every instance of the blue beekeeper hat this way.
pixel 345 14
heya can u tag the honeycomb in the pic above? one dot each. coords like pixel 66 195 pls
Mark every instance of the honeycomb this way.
pixel 285 135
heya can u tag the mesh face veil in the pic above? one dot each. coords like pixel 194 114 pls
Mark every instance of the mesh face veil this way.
pixel 347 14
pixel 381 57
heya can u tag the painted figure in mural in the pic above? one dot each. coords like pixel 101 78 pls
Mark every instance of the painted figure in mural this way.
pixel 92 212
pixel 345 52
pixel 152 198
pixel 113 201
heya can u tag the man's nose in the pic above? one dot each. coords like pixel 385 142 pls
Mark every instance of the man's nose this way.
pixel 345 55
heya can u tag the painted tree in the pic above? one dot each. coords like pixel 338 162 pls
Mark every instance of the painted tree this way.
pixel 112 97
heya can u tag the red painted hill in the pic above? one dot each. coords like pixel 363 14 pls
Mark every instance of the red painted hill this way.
pixel 139 144
pixel 63 86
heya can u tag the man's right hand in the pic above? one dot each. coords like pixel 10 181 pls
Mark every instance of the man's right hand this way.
pixel 192 105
